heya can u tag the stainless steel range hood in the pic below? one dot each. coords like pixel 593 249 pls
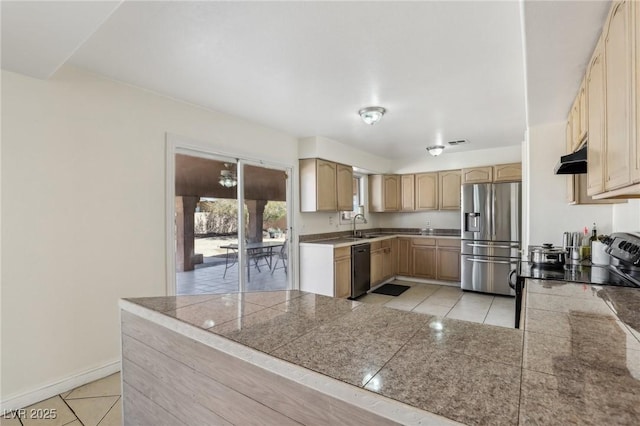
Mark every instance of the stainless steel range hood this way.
pixel 573 164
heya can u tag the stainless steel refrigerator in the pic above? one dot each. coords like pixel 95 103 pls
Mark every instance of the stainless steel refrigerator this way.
pixel 491 224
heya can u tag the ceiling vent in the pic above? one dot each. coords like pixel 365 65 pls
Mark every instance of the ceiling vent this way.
pixel 458 142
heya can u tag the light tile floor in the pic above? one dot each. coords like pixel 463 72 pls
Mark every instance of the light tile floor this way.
pixel 449 302
pixel 212 279
pixel 97 403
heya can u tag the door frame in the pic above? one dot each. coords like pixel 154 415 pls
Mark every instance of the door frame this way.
pixel 176 144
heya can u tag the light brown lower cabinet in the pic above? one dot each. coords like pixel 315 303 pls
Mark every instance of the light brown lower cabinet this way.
pixel 433 259
pixel 448 264
pixel 376 266
pixel 423 257
pixel 404 256
pixel 342 271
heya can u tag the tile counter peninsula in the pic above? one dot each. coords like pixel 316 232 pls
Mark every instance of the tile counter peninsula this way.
pixel 290 357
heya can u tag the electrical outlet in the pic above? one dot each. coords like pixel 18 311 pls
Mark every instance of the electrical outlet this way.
pixel 428 223
pixel 330 220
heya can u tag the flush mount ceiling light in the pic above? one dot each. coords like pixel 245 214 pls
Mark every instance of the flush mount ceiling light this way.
pixel 371 115
pixel 435 150
pixel 228 178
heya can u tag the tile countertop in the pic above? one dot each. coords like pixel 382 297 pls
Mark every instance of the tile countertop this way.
pixel 349 241
pixel 576 361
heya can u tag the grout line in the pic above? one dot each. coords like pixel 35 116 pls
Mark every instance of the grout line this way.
pixel 109 410
pixel 393 356
pixel 487 314
pixel 74 413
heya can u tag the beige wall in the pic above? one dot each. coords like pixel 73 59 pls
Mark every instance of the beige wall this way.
pixel 83 213
pixel 549 214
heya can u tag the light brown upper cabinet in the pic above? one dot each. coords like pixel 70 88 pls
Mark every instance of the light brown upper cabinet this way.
pixel 477 175
pixel 408 189
pixel 325 186
pixel 571 195
pixel 635 152
pixel 618 54
pixel 613 109
pixel 427 191
pixel 595 112
pixel 511 172
pixel 449 189
pixel 578 119
pixel 507 172
pixel 384 193
pixel 344 187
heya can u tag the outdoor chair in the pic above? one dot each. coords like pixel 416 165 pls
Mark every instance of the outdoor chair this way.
pixel 281 256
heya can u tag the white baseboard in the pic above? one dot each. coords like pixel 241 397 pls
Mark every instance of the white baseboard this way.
pixel 53 389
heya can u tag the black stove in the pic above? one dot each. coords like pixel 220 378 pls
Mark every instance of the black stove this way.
pixel 624 271
pixel 581 273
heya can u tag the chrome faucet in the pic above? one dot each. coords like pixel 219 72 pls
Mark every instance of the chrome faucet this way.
pixel 364 220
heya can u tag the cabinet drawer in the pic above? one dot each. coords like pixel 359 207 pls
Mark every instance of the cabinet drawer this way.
pixel 449 243
pixel 341 252
pixel 385 243
pixel 376 245
pixel 423 242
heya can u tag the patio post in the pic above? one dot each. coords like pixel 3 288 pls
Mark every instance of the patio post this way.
pixel 185 245
pixel 256 214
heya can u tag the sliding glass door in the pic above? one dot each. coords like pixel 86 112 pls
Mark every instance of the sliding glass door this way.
pixel 267 227
pixel 232 224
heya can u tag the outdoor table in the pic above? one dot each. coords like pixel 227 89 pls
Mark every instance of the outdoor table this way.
pixel 253 251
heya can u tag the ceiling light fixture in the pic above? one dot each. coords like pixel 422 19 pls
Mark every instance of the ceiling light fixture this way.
pixel 228 178
pixel 371 115
pixel 435 150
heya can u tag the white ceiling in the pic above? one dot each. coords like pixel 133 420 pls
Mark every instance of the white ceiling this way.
pixel 444 70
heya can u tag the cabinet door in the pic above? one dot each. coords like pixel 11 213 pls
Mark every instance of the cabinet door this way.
pixel 394 256
pixel 507 172
pixel 404 256
pixel 617 51
pixel 344 187
pixel 477 175
pixel 408 193
pixel 342 277
pixel 391 193
pixel 448 264
pixel 326 185
pixel 427 191
pixel 449 190
pixel 424 261
pixel 575 124
pixel 387 263
pixel 376 267
pixel 635 154
pixel 582 106
pixel 569 179
pixel 595 112
pixel 375 193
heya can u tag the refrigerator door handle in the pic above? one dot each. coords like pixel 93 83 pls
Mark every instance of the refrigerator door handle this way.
pixel 493 212
pixel 489 261
pixel 488 246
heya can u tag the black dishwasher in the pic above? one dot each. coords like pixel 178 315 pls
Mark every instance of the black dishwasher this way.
pixel 360 269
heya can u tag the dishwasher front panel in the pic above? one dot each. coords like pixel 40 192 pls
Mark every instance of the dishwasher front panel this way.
pixel 360 269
